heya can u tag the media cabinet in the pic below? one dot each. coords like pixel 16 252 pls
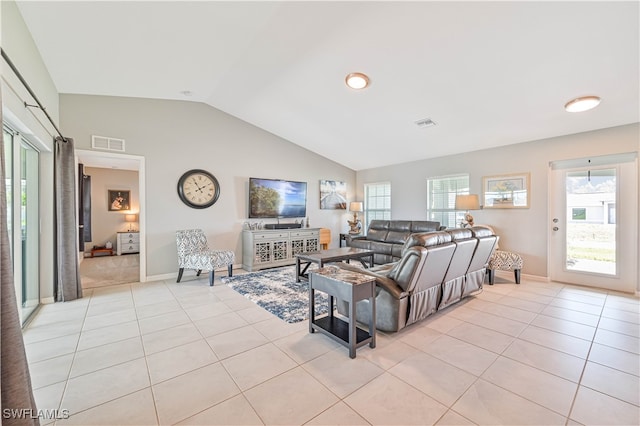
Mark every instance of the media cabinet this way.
pixel 267 248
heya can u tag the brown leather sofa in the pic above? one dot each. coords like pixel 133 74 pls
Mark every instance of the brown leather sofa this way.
pixel 435 270
pixel 387 237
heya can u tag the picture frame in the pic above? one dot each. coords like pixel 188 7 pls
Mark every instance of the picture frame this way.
pixel 509 191
pixel 118 200
pixel 333 195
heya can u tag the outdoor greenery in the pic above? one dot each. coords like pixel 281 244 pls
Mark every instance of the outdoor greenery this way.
pixel 591 241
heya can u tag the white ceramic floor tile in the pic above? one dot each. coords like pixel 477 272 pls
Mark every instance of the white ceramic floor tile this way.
pixel 51 331
pixel 386 356
pixel 163 321
pixel 482 337
pixel 133 409
pixel 615 358
pixel 257 365
pixel 52 348
pixel 274 329
pixel 104 385
pixel 437 379
pixel 509 312
pixel 621 315
pixel 525 305
pixel 490 321
pixel 441 322
pixel 555 362
pixel 191 393
pixel 236 341
pixel 170 338
pixel 488 404
pixel 387 400
pixel 463 355
pixel 535 385
pixel 113 333
pixel 104 356
pixel 179 360
pixel 451 418
pixel 233 411
pixel 569 315
pixel 560 342
pixel 617 326
pixel 339 414
pixel 612 382
pixel 559 325
pixel 110 318
pixel 588 297
pixel 220 324
pixel 49 397
pixel 300 398
pixel 341 374
pixel 595 408
pixel 155 309
pixel 586 308
pixel 304 346
pixel 209 310
pixel 419 336
pixel 618 341
pixel 50 371
pixel 255 314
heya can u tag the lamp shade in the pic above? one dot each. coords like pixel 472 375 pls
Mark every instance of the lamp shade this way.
pixel 356 206
pixel 467 202
pixel 130 218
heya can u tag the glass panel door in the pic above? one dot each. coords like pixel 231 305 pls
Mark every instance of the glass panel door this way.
pixel 590 231
pixel 594 224
pixel 30 229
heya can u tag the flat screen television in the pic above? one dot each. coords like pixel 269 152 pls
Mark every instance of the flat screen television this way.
pixel 272 198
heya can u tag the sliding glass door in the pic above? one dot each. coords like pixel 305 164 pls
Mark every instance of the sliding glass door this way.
pixel 23 211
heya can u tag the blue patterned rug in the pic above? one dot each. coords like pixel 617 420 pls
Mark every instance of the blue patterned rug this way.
pixel 277 291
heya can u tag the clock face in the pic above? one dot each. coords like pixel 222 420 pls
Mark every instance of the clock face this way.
pixel 198 189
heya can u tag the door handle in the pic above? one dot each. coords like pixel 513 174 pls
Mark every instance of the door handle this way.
pixel 555 228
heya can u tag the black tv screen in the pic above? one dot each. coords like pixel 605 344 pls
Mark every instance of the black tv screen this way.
pixel 270 198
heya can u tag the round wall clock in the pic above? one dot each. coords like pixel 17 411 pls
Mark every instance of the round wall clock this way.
pixel 198 189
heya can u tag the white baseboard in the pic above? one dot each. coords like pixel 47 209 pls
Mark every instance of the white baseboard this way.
pixel 174 275
pixel 511 275
pixel 47 300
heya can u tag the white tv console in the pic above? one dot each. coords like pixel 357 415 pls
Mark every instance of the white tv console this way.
pixel 266 248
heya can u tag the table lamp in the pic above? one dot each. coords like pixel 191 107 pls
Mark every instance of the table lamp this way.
pixel 467 202
pixel 130 218
pixel 355 207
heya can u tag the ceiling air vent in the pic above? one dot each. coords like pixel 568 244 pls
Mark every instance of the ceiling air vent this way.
pixel 107 144
pixel 427 122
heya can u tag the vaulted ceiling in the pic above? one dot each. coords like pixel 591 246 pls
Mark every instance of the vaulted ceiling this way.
pixel 487 73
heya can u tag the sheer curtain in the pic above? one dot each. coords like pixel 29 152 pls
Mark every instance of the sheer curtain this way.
pixel 68 285
pixel 17 394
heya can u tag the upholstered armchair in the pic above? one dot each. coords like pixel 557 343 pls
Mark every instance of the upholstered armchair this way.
pixel 194 253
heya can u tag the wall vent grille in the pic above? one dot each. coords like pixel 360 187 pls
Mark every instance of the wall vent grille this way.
pixel 427 122
pixel 107 144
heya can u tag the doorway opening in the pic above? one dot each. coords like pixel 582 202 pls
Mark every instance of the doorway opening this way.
pixel 114 251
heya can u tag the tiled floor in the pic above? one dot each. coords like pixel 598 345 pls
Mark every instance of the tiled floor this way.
pixel 167 353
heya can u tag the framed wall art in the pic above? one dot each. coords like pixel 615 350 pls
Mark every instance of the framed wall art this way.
pixel 119 200
pixel 333 195
pixel 506 191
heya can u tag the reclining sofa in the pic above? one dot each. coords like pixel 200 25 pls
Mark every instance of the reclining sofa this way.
pixel 387 237
pixel 435 270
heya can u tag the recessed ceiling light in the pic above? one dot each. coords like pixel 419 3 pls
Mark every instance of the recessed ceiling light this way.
pixel 357 80
pixel 584 103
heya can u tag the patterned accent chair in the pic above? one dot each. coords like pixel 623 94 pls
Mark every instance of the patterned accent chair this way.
pixel 194 253
pixel 504 261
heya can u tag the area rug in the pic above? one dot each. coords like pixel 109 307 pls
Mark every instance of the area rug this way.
pixel 277 291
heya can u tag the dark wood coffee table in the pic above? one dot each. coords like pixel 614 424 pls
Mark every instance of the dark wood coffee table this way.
pixel 328 256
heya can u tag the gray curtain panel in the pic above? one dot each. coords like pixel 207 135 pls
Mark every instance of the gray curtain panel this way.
pixel 17 394
pixel 68 285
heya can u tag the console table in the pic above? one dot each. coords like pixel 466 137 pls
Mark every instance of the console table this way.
pixel 350 287
pixel 266 248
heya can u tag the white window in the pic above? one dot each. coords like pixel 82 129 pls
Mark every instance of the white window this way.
pixel 377 202
pixel 441 198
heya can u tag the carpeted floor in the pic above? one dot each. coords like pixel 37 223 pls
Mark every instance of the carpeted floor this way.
pixel 102 271
pixel 277 291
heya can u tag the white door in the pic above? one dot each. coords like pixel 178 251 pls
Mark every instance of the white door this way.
pixel 594 222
